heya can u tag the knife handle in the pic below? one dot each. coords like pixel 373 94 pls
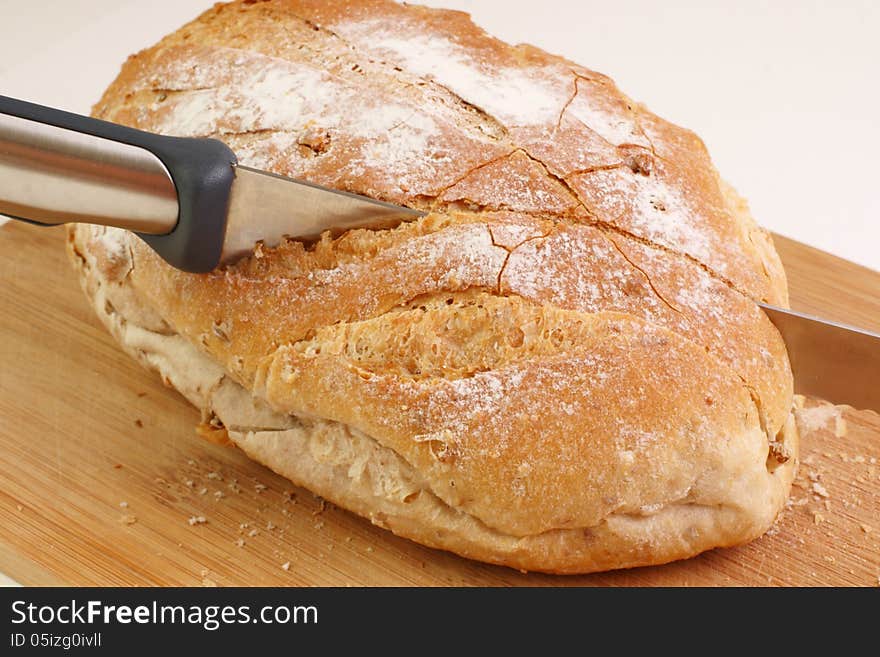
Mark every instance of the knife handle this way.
pixel 57 167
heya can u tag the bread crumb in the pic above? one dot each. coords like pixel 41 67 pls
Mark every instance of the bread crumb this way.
pixel 239 542
pixel 219 494
pixel 189 482
pixel 260 487
pixel 19 507
pixel 191 462
pixel 197 520
pixel 128 519
pixel 253 532
pixel 820 490
pixel 866 528
pixel 270 525
pixel 214 475
pixel 818 518
pixel 369 548
pixel 123 505
pixel 244 525
pixel 203 490
pixel 285 565
pixel 830 559
pixel 319 524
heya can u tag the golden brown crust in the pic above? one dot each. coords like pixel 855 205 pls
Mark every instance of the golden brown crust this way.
pixel 563 362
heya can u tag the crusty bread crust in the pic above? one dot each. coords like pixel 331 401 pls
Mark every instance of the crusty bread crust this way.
pixel 561 368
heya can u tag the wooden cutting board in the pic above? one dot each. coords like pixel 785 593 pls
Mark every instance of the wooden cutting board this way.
pixel 101 470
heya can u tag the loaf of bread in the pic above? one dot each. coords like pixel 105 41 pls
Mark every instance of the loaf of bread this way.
pixel 560 368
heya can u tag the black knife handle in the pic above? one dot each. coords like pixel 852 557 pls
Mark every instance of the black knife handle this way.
pixel 91 173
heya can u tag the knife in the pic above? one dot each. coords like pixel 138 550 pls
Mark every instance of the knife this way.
pixel 188 199
pixel 192 202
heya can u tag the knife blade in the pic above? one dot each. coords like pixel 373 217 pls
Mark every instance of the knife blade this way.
pixel 293 208
pixel 833 361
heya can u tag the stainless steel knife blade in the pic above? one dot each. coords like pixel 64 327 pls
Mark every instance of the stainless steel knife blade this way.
pixel 838 363
pixel 266 207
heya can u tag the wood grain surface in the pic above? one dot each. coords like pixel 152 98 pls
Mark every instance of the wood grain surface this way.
pixel 102 474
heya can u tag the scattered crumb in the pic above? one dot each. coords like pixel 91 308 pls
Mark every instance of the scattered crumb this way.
pixel 253 532
pixel 19 507
pixel 190 483
pixel 828 505
pixel 866 528
pixel 214 475
pixel 369 548
pixel 128 519
pixel 219 494
pixel 191 462
pixel 830 559
pixel 270 525
pixel 321 508
pixel 820 490
pixel 139 424
pixel 818 518
pixel 239 542
pixel 197 520
pixel 244 525
pixel 348 539
pixel 233 486
pixel 123 505
pixel 820 417
pixel 260 487
pixel 285 565
pixel 203 490
pixel 319 524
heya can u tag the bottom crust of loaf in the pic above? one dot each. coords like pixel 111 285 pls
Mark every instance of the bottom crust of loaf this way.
pixel 352 470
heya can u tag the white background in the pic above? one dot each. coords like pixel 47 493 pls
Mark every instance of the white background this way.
pixel 785 94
